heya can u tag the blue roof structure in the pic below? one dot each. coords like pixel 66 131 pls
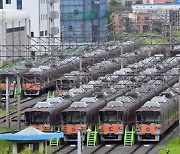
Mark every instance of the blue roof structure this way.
pixel 30 134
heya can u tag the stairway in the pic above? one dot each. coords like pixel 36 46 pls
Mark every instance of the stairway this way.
pixel 50 94
pixel 55 141
pixel 15 91
pixel 92 137
pixel 129 136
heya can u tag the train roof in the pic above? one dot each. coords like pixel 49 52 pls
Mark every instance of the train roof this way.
pixel 75 91
pixel 121 103
pixel 85 105
pixel 159 103
pixel 49 102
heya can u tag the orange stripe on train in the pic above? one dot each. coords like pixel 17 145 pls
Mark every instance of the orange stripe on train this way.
pixel 145 129
pixel 30 86
pixel 111 128
pixel 2 86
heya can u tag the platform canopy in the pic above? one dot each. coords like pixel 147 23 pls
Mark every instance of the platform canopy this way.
pixel 30 134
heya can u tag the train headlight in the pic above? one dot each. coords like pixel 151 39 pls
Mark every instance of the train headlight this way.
pixel 100 128
pixel 157 127
pixel 63 128
pixel 138 128
pixel 121 127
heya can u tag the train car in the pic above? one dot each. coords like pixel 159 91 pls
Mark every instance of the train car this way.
pixel 12 78
pixel 72 80
pixel 156 116
pixel 83 114
pixel 47 78
pixel 122 111
pixel 38 80
pixel 46 114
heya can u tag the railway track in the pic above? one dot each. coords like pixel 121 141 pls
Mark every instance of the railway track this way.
pixel 30 102
pixel 148 148
pixel 65 149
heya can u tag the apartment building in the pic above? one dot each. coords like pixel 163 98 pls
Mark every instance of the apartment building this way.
pixel 44 14
pixel 84 20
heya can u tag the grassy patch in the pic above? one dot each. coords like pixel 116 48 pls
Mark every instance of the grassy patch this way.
pixel 176 34
pixel 5 146
pixel 173 146
pixel 6 129
pixel 3 112
pixel 145 39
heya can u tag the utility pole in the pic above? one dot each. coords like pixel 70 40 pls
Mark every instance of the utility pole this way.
pixel 79 147
pixel 80 70
pixel 18 100
pixel 7 104
pixel 179 106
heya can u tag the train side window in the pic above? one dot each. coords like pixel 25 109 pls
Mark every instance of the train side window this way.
pixel 157 117
pixel 64 118
pixel 138 117
pixel 93 117
pixel 83 117
pixel 101 117
pixel 119 117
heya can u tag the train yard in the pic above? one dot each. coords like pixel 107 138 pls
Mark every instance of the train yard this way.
pixel 114 107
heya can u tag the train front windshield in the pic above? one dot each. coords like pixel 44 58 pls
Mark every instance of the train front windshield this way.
pixel 31 79
pixel 65 84
pixel 11 78
pixel 36 117
pixel 147 117
pixel 74 117
pixel 111 117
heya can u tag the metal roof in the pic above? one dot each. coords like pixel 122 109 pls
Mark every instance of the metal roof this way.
pixel 115 104
pixel 30 134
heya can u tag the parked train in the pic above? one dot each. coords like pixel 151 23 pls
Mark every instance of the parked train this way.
pixel 120 112
pixel 106 67
pixel 48 113
pixel 11 74
pixel 84 113
pixel 38 80
pixel 157 115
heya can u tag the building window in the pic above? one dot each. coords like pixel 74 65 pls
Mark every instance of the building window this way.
pixel 41 33
pixel 70 28
pixel 45 32
pixel 8 1
pixel 1 4
pixel 19 4
pixel 32 34
pixel 16 29
pixel 146 18
pixel 76 11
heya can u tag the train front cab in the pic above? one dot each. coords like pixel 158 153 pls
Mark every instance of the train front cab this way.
pixel 38 119
pixel 110 126
pixel 12 84
pixel 71 122
pixel 148 125
pixel 31 85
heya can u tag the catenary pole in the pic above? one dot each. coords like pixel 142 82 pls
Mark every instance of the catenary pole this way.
pixel 7 103
pixel 18 101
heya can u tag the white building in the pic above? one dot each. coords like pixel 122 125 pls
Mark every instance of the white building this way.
pixel 161 12
pixel 45 16
pixel 14 32
pixel 45 21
